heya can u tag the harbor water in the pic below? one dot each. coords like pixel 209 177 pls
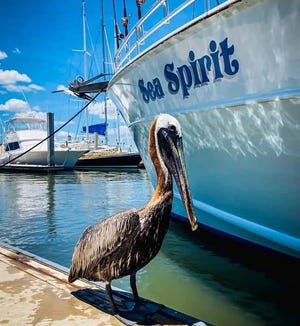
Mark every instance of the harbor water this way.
pixel 200 274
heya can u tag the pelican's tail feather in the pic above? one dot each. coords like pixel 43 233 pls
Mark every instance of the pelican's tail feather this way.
pixel 72 276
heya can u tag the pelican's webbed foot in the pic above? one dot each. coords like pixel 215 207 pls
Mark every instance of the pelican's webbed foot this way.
pixel 130 306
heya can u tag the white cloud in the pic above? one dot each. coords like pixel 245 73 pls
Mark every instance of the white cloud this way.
pixel 15 105
pixel 36 87
pixel 12 76
pixel 3 55
pixel 23 88
pixel 11 81
pixel 61 88
pixel 98 108
pixel 16 51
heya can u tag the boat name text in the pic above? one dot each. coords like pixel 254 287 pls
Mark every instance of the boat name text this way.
pixel 214 66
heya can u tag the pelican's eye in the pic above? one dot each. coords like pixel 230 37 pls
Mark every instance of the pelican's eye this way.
pixel 172 128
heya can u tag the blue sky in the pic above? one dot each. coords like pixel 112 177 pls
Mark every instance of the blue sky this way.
pixel 36 55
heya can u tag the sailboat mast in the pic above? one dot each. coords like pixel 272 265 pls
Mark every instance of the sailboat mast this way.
pixel 85 66
pixel 103 38
pixel 104 67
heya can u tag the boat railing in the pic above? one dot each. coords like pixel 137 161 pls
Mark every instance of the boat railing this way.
pixel 159 16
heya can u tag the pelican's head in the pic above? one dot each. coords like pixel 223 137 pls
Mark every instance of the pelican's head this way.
pixel 170 151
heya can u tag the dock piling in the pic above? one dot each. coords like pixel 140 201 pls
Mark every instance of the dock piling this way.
pixel 50 141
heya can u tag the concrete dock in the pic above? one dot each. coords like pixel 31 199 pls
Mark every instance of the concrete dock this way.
pixel 34 291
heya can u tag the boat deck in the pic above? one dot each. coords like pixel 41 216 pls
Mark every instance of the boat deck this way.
pixel 35 291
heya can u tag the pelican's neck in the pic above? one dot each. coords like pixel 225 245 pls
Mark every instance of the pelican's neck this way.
pixel 164 179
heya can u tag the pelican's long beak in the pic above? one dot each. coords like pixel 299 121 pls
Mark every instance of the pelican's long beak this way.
pixel 175 161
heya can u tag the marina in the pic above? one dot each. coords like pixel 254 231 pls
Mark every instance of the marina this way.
pixel 219 281
pixel 197 223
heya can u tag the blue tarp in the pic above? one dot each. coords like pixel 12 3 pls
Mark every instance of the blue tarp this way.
pixel 99 128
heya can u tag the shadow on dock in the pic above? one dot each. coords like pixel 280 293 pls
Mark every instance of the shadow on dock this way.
pixel 147 312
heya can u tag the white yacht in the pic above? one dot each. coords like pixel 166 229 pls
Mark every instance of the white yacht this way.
pixel 22 134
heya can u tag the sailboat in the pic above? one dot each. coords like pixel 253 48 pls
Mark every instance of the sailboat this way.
pixel 104 155
pixel 107 156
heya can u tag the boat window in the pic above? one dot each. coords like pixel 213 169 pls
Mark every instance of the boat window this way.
pixel 12 146
pixel 26 125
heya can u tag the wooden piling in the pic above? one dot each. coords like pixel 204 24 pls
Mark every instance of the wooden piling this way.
pixel 50 141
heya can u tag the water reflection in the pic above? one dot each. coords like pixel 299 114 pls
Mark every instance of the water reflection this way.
pixel 202 275
pixel 28 198
pixel 50 205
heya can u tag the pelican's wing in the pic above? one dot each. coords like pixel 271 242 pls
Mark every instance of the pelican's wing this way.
pixel 100 241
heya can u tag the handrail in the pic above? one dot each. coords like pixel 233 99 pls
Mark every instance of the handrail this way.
pixel 138 26
pixel 138 36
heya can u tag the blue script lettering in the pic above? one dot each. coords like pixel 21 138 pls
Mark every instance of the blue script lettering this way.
pixel 152 91
pixel 211 67
pixel 226 53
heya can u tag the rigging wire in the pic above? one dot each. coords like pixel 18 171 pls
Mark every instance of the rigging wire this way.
pixel 109 61
pixel 94 49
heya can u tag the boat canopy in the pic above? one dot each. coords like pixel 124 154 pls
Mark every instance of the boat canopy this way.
pixel 25 123
pixel 100 128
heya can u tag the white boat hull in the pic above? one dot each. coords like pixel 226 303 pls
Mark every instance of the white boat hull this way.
pixel 65 158
pixel 241 125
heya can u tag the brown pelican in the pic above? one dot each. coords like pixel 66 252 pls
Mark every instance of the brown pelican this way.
pixel 123 243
